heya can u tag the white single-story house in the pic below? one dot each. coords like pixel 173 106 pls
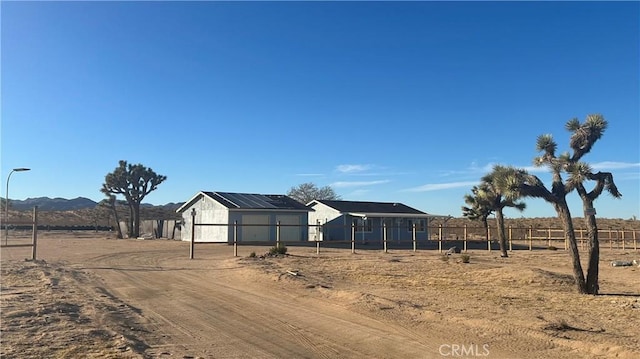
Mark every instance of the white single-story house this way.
pixel 337 220
pixel 252 217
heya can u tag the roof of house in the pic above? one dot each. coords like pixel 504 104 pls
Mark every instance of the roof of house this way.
pixel 376 209
pixel 249 201
pixel 370 207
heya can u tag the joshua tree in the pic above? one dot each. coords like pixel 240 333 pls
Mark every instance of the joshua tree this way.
pixel 583 137
pixel 495 191
pixel 479 208
pixel 134 182
pixel 582 140
pixel 110 203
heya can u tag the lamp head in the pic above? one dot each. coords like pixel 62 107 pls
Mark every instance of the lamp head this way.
pixel 21 169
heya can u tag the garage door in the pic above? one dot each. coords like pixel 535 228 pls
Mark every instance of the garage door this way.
pixel 290 230
pixel 255 227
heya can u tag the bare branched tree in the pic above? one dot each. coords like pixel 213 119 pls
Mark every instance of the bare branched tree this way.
pixel 307 192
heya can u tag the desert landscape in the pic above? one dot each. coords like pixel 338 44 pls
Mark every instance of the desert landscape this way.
pixel 89 295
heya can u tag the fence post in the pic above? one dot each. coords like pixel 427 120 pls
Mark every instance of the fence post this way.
pixel 489 239
pixel 549 237
pixel 465 238
pixel 623 240
pixel 318 233
pixel 440 238
pixel 610 240
pixel 530 237
pixel 193 232
pixel 353 238
pixel 235 238
pixel 635 241
pixel 278 234
pixel 35 233
pixel 414 237
pixel 384 236
pixel 510 240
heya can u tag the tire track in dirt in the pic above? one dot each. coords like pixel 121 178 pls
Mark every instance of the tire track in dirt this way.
pixel 266 322
pixel 63 315
pixel 234 324
pixel 351 306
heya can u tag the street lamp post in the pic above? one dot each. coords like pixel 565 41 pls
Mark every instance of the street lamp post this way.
pixel 6 203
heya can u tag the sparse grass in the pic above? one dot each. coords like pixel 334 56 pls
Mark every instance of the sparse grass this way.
pixel 278 249
pixel 252 255
pixel 552 248
pixel 465 258
pixel 444 258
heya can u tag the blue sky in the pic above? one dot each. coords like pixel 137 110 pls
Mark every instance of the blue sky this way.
pixel 384 101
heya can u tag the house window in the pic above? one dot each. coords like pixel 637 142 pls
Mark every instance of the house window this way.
pixel 362 225
pixel 420 225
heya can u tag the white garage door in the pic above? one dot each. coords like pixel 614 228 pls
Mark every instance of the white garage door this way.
pixel 289 228
pixel 255 227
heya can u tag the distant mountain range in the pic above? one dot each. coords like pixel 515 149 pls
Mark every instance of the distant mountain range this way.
pixel 63 204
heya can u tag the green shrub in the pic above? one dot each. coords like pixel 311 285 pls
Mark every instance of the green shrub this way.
pixel 465 258
pixel 444 258
pixel 552 248
pixel 278 249
pixel 252 255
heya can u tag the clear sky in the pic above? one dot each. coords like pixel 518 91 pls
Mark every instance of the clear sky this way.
pixel 384 101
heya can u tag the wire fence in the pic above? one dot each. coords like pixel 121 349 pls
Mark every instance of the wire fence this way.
pixel 530 237
pixel 365 236
pixel 440 238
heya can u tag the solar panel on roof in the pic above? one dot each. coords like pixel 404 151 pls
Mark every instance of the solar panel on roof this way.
pixel 239 201
pixel 258 201
pixel 243 200
pixel 234 199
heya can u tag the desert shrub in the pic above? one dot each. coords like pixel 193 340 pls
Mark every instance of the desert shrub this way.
pixel 278 249
pixel 444 258
pixel 465 258
pixel 252 255
pixel 552 248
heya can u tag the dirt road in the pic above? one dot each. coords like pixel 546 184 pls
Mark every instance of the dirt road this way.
pixel 136 298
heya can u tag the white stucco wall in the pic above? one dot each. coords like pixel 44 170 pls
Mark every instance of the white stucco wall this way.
pixel 322 213
pixel 210 212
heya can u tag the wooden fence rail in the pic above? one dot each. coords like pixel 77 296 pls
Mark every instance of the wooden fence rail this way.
pixel 618 238
pixel 34 237
pixel 441 237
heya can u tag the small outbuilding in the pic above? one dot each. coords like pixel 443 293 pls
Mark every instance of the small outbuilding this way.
pixel 252 217
pixel 338 220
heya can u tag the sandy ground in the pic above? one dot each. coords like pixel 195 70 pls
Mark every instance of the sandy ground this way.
pixel 95 297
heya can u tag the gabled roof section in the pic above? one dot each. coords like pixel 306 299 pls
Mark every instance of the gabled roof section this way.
pixel 249 201
pixel 370 207
pixel 375 209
